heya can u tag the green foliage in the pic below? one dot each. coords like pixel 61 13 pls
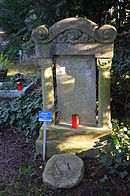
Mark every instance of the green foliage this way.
pixel 25 171
pixel 99 11
pixel 13 46
pixel 13 14
pixel 120 81
pixel 28 46
pixel 121 136
pixel 23 114
pixel 115 156
pixel 4 62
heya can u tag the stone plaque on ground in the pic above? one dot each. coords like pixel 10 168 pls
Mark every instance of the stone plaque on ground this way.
pixel 63 171
pixel 76 88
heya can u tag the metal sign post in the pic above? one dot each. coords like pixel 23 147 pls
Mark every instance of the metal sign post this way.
pixel 45 117
pixel 44 139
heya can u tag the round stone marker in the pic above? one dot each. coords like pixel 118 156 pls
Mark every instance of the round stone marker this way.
pixel 63 171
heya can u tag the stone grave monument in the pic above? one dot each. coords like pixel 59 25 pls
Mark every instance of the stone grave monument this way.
pixel 75 46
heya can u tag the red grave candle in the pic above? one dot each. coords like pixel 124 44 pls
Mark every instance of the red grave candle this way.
pixel 19 86
pixel 75 121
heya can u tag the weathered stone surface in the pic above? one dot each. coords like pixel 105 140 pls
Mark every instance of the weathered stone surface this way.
pixel 81 36
pixel 105 33
pixel 47 84
pixel 40 33
pixel 73 44
pixel 63 171
pixel 104 114
pixel 76 88
pixel 80 49
pixel 64 139
pixel 73 37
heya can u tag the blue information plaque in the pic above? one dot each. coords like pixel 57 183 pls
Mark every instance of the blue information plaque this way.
pixel 20 52
pixel 45 116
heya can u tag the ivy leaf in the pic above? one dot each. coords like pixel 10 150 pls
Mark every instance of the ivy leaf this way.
pixel 20 122
pixel 12 119
pixel 123 174
pixel 116 142
pixel 104 179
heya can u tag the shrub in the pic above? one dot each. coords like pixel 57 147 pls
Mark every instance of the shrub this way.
pixel 120 80
pixel 115 156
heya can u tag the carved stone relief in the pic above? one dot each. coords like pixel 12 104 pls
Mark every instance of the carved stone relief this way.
pixel 73 37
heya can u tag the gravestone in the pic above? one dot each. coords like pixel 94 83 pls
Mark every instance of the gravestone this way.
pixel 73 46
pixel 76 88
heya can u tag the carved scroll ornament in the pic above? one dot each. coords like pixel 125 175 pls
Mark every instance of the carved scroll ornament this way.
pixel 105 34
pixel 39 34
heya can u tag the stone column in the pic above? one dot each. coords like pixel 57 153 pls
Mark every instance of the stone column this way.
pixel 47 84
pixel 104 112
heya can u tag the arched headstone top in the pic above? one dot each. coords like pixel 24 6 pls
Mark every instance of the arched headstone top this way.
pixel 74 30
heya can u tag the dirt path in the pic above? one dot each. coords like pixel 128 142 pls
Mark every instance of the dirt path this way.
pixel 14 151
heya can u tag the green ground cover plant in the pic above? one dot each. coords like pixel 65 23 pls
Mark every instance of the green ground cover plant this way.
pixel 115 155
pixel 23 114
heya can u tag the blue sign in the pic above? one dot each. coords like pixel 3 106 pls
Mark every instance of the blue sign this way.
pixel 20 52
pixel 45 116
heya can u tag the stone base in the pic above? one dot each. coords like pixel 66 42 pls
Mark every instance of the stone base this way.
pixel 64 139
